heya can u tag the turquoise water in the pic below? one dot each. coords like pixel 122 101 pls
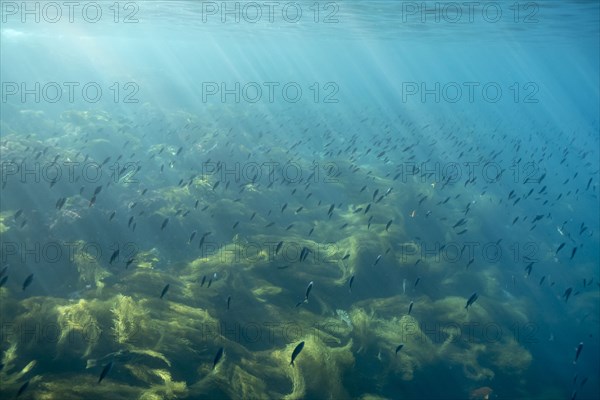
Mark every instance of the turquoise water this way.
pixel 192 189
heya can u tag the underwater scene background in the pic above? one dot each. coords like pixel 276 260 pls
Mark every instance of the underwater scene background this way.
pixel 299 200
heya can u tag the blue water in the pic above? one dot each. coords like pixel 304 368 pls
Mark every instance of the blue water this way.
pixel 388 152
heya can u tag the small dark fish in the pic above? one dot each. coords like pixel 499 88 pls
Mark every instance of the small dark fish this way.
pixel 573 253
pixel 308 289
pixel 284 207
pixel 3 281
pixel 22 388
pixel 112 215
pixel 471 261
pixel 209 283
pixel 114 256
pixel 377 260
pixel 192 237
pixel 164 291
pixel 228 301
pixel 296 351
pixel 471 300
pixel 92 201
pixel 351 282
pixel 235 224
pixel 410 307
pixel 216 185
pixel 578 352
pixel 164 224
pixel 542 280
pixel 130 221
pixel 459 223
pixel 105 371
pixel 203 280
pixel 567 293
pixel 279 245
pixel 18 213
pixel 98 190
pixel 559 248
pixel 27 281
pixel 528 268
pixel 368 208
pixel 218 357
pixel 375 194
pixel 388 224
pixel 417 280
pixel 399 347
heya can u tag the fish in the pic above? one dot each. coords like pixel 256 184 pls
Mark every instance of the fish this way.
pixel 279 245
pixel 542 280
pixel 27 281
pixel 22 389
pixel 18 213
pixel 567 293
pixel 164 291
pixel 399 347
pixel 387 226
pixel 462 221
pixel 471 261
pixel 350 283
pixel 192 237
pixel 578 352
pixel 218 357
pixel 410 307
pixel 228 302
pixel 164 224
pixel 105 371
pixel 573 253
pixel 114 256
pixel 296 351
pixel 559 248
pixel 112 215
pixel 3 281
pixel 377 260
pixel 308 289
pixel 471 300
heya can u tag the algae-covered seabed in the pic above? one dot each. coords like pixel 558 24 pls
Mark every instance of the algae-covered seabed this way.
pixel 81 306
